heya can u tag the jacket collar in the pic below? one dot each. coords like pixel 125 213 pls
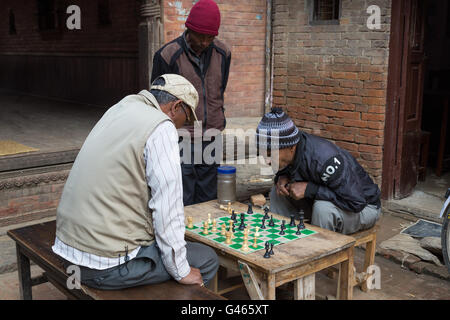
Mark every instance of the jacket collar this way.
pixel 150 99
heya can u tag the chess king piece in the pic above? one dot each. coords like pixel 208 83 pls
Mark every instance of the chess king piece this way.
pixel 214 228
pixel 190 222
pixel 250 209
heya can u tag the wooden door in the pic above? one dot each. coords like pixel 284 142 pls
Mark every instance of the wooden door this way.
pixel 405 93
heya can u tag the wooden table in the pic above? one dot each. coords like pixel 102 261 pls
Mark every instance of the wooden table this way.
pixel 296 261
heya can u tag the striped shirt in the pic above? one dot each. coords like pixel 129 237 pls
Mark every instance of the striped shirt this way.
pixel 163 173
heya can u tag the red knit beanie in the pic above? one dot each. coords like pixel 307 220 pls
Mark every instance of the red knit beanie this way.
pixel 204 18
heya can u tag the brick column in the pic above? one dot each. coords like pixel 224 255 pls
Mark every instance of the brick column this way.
pixel 151 38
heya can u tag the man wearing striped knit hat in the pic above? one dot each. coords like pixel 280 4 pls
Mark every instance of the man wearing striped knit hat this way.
pixel 313 173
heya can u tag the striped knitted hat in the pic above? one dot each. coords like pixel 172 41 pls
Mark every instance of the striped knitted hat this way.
pixel 276 131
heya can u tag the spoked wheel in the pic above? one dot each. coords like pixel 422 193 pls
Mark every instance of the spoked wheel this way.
pixel 445 238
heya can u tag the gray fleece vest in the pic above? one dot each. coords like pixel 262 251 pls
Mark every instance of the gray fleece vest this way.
pixel 104 205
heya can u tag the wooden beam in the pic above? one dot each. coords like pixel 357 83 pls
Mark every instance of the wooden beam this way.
pixel 250 282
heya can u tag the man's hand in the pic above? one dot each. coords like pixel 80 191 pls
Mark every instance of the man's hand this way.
pixel 194 277
pixel 297 190
pixel 281 186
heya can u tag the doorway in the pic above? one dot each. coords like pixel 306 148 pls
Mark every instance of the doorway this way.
pixel 416 162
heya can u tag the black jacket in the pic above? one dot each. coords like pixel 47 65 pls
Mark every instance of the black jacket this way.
pixel 332 174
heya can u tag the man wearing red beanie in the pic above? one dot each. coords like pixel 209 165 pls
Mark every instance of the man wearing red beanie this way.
pixel 205 61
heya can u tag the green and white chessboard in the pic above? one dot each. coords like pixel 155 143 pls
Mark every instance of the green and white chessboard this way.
pixel 270 234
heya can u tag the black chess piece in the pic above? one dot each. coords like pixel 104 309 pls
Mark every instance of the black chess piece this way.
pixel 302 216
pixel 271 249
pixel 299 232
pixel 271 222
pixel 263 225
pixel 282 229
pixel 250 209
pixel 234 217
pixel 292 223
pixel 266 213
pixel 267 254
pixel 242 225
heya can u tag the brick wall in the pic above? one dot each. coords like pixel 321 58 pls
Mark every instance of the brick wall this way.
pixel 243 29
pixel 30 196
pixel 332 79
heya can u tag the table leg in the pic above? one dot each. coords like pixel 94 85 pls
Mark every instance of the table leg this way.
pixel 268 287
pixel 23 269
pixel 345 287
pixel 305 288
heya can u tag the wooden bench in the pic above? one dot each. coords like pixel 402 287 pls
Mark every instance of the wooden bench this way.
pixel 34 243
pixel 369 239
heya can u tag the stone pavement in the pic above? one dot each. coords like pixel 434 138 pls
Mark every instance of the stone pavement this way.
pixel 397 282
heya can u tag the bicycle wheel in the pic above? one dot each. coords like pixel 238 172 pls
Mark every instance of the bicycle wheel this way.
pixel 445 238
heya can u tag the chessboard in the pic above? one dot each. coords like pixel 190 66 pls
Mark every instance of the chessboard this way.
pixel 253 223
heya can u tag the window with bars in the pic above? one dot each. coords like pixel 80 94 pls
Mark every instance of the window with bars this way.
pixel 325 11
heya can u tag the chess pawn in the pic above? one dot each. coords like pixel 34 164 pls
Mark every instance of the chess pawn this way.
pixel 214 228
pixel 255 245
pixel 228 239
pixel 245 247
pixel 205 227
pixel 190 224
pixel 224 230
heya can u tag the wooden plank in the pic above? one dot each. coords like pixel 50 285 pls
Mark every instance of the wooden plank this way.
pixel 305 288
pixel 37 159
pixel 311 268
pixel 250 282
pixel 268 287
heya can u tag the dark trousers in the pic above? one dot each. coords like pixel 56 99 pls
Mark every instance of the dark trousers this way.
pixel 148 268
pixel 199 180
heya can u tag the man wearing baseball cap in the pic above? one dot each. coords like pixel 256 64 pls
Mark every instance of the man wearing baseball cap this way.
pixel 205 61
pixel 121 214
